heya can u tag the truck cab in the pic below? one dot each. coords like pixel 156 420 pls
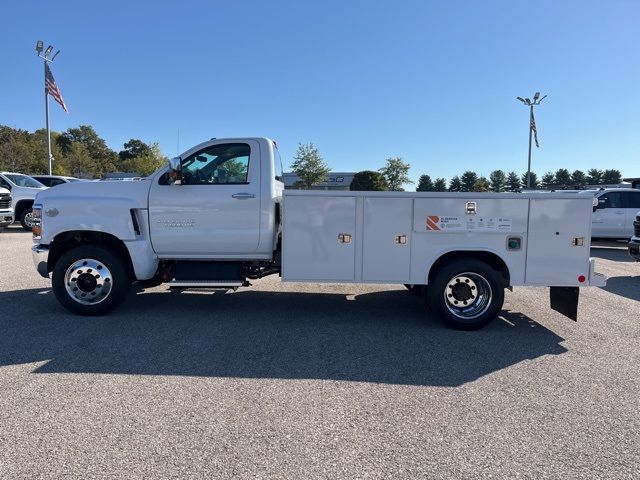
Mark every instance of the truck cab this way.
pixel 615 212
pixel 225 205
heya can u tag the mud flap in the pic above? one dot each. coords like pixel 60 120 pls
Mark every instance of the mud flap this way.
pixel 564 300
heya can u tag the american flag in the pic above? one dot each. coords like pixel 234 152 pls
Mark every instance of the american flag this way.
pixel 52 89
pixel 534 129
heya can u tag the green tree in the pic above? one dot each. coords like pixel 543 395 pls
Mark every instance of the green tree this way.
pixel 513 182
pixel 498 181
pixel 455 185
pixel 151 158
pixel 468 180
pixel 594 176
pixel 78 161
pixel 309 166
pixel 563 177
pixel 40 163
pixel 134 148
pixel 535 183
pixel 611 177
pixel 425 184
pixel 548 180
pixel 481 185
pixel 106 160
pixel 440 185
pixel 578 179
pixel 16 150
pixel 396 172
pixel 368 180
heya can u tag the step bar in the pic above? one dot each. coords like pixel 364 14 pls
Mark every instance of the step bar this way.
pixel 205 283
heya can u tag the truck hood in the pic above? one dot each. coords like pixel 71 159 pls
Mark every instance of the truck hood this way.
pixel 132 193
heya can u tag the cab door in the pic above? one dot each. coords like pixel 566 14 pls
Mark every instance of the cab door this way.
pixel 215 211
pixel 608 221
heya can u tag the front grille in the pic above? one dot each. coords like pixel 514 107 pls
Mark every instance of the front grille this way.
pixel 636 227
pixel 5 201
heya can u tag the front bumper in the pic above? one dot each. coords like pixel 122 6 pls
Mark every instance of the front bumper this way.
pixel 634 248
pixel 6 219
pixel 40 254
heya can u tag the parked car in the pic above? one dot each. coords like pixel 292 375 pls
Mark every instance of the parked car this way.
pixel 23 191
pixel 634 243
pixel 615 212
pixel 53 180
pixel 6 212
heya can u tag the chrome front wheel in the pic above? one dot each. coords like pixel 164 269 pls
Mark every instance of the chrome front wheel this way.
pixel 91 279
pixel 88 281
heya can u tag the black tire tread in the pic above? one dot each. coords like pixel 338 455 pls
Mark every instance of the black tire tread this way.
pixel 436 301
pixel 121 280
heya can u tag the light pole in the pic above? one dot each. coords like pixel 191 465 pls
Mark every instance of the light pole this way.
pixel 45 58
pixel 532 127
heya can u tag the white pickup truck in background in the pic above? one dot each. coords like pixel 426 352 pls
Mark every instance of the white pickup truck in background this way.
pixel 218 216
pixel 6 211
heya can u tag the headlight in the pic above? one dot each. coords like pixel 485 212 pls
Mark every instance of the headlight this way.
pixel 36 213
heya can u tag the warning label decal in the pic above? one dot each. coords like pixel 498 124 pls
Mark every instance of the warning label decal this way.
pixel 440 223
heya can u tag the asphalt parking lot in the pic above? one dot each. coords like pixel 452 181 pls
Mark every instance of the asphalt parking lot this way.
pixel 306 381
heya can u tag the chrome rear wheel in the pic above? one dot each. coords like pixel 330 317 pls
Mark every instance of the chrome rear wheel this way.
pixel 468 295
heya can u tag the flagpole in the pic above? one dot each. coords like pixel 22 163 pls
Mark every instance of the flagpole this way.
pixel 529 161
pixel 529 103
pixel 46 114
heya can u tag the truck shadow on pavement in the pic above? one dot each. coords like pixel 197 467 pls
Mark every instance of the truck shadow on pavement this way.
pixel 383 337
pixel 625 286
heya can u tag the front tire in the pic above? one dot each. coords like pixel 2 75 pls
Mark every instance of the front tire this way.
pixel 90 280
pixel 26 219
pixel 466 294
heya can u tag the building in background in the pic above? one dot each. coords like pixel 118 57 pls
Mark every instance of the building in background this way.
pixel 334 181
pixel 635 182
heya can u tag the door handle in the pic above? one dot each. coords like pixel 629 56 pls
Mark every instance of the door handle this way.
pixel 619 213
pixel 243 195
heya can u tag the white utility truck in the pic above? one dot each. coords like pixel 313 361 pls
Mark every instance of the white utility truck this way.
pixel 218 216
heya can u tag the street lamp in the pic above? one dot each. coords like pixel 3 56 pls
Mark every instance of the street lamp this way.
pixel 45 58
pixel 532 127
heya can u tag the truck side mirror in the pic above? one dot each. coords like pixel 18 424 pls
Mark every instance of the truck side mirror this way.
pixel 175 170
pixel 599 203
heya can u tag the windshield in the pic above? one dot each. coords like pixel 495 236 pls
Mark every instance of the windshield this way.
pixel 23 180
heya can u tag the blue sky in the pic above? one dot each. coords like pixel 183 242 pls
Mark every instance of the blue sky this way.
pixel 432 82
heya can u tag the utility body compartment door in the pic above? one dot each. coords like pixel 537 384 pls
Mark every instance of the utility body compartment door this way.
pixel 319 238
pixel 559 240
pixel 386 255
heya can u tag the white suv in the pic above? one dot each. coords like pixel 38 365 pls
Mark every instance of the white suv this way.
pixel 6 212
pixel 615 212
pixel 23 192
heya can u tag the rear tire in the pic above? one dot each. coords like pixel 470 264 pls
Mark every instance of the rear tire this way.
pixel 466 294
pixel 90 280
pixel 26 219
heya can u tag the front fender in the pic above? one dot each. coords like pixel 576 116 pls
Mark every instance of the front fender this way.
pixel 112 216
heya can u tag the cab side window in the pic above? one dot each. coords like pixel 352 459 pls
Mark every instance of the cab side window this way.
pixel 226 164
pixel 612 200
pixel 633 200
